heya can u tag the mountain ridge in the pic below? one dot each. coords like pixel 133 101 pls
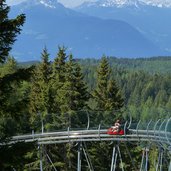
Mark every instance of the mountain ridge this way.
pixel 151 21
pixel 83 35
pixel 128 3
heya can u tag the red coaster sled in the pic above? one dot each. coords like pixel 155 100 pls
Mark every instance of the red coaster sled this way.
pixel 111 132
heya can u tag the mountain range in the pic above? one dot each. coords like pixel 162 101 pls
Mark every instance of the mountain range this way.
pixel 50 24
pixel 121 3
pixel 151 18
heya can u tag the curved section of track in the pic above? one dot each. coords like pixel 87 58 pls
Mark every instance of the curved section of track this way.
pixel 95 135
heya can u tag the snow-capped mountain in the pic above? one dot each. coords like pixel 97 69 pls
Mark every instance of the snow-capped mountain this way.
pixel 151 18
pixel 115 3
pixel 129 3
pixel 53 4
pixel 48 3
pixel 83 35
pixel 159 3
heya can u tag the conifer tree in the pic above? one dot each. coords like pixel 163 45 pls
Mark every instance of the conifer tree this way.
pixel 40 101
pixel 67 91
pixel 9 73
pixel 103 75
pixel 161 98
pixel 9 67
pixel 168 105
pixel 81 87
pixel 73 94
pixel 40 88
pixel 12 98
pixel 107 93
pixel 9 28
pixel 108 98
pixel 58 77
pixel 114 100
pixel 59 65
pixel 13 102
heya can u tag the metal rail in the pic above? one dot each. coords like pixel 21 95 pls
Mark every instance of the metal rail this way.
pixel 160 136
pixel 94 135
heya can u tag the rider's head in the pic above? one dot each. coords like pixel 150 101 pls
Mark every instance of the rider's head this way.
pixel 118 121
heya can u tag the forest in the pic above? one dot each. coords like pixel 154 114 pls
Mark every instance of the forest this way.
pixel 59 93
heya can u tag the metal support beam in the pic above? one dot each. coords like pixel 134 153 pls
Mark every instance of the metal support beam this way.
pixel 41 156
pixel 114 167
pixel 88 120
pixel 161 160
pixel 51 162
pixel 120 158
pixel 159 164
pixel 169 166
pixel 79 157
pixel 132 160
pixel 42 127
pixel 158 161
pixel 87 157
pixel 113 158
pixel 142 160
pixel 116 151
pixel 146 162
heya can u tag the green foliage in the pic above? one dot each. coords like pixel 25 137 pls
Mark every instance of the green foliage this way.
pixel 13 95
pixel 103 75
pixel 40 89
pixel 7 129
pixel 59 95
pixel 13 114
pixel 115 100
pixel 73 94
pixel 151 65
pixel 58 77
pixel 9 28
pixel 15 156
pixel 146 90
pixel 9 67
pixel 107 95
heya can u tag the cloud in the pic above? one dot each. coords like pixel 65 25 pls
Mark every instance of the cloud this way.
pixel 41 37
pixel 14 2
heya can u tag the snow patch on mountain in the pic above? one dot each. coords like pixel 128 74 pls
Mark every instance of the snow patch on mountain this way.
pixel 126 3
pixel 119 3
pixel 48 3
pixel 159 3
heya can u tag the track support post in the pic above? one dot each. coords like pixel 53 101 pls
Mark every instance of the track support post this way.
pixel 144 161
pixel 79 156
pixel 113 158
pixel 41 156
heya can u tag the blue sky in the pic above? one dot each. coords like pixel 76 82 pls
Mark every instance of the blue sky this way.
pixel 68 3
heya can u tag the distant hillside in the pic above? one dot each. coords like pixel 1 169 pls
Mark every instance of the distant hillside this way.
pixel 152 65
pixel 85 36
pixel 28 64
pixel 151 20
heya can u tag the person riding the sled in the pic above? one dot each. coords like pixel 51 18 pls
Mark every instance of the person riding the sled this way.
pixel 116 126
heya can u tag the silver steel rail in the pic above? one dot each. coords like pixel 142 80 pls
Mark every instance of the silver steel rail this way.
pixel 161 136
pixel 94 135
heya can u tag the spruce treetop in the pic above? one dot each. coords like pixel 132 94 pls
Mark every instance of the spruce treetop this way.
pixel 9 29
